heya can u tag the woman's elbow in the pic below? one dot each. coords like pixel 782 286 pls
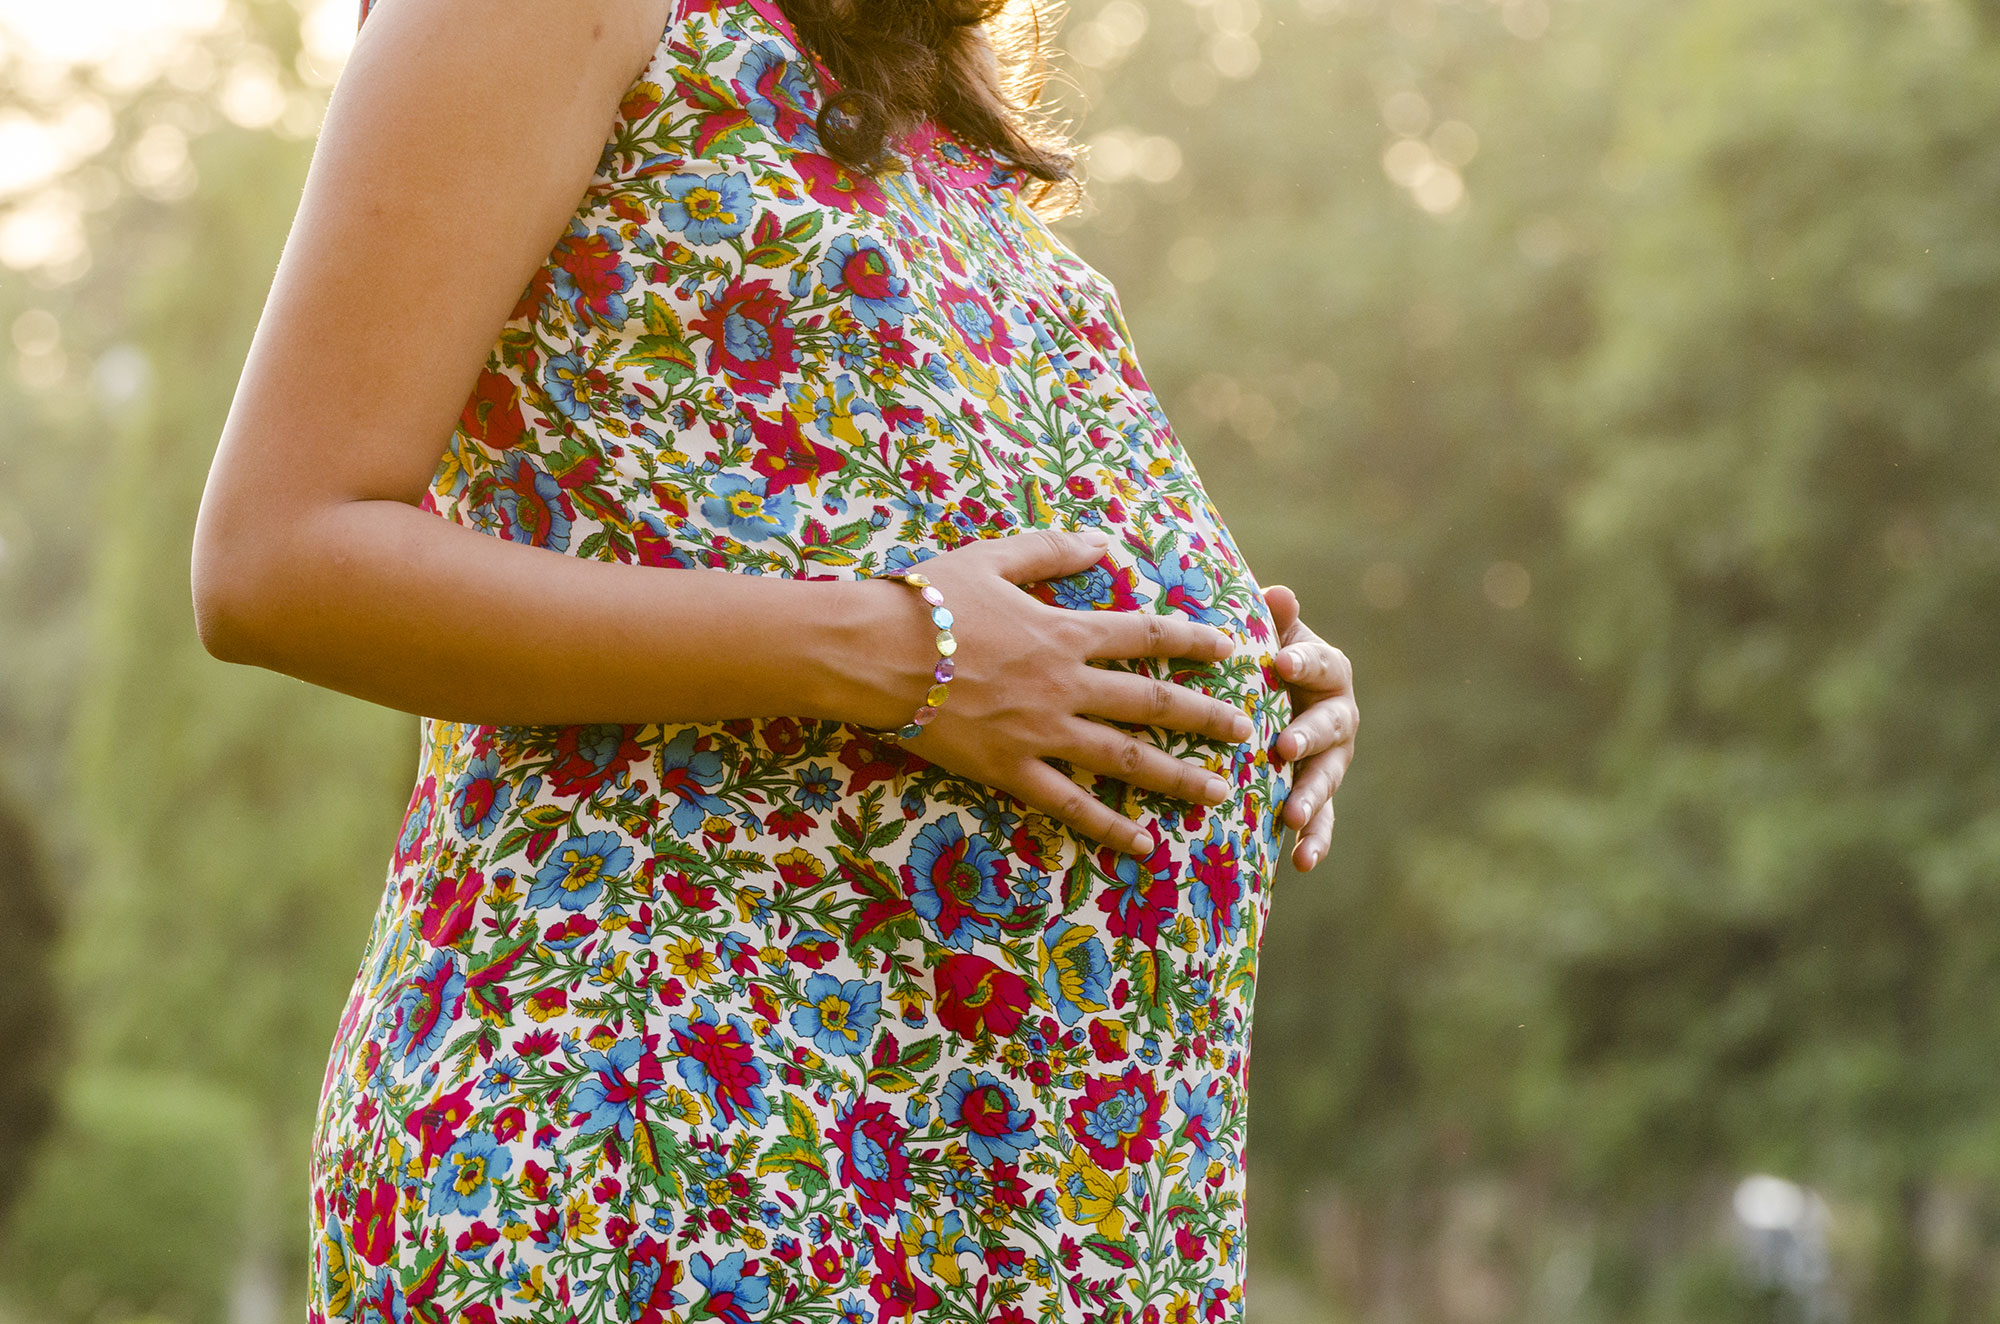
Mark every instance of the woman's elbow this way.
pixel 230 606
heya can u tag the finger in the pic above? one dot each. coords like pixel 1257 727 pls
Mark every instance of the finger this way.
pixel 1121 634
pixel 1038 554
pixel 1322 725
pixel 1102 749
pixel 1312 843
pixel 1146 701
pixel 1311 663
pixel 1284 605
pixel 1315 784
pixel 1042 787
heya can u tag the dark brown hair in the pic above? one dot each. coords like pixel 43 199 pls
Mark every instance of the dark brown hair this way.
pixel 976 67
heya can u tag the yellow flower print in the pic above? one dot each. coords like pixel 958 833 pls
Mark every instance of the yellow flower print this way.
pixel 826 407
pixel 982 379
pixel 798 860
pixel 1089 1194
pixel 337 1278
pixel 691 960
pixel 683 1105
pixel 581 1216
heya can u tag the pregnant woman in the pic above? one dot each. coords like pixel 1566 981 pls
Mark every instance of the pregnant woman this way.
pixel 855 753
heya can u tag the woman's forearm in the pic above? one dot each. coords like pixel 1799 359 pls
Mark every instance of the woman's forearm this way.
pixel 390 603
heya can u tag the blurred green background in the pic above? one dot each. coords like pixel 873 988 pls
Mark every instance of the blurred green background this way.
pixel 1617 381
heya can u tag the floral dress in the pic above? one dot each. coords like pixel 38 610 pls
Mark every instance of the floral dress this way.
pixel 772 1020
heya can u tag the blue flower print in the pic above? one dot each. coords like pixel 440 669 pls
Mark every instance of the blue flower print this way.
pixel 776 94
pixel 818 788
pixel 1075 972
pixel 716 1056
pixel 1204 1111
pixel 733 1295
pixel 532 506
pixel 958 883
pixel 577 870
pixel 860 268
pixel 839 1017
pixel 611 1098
pixel 1185 587
pixel 689 775
pixel 707 208
pixel 499 1079
pixel 745 508
pixel 562 378
pixel 479 799
pixel 463 1182
pixel 998 1129
pixel 425 1008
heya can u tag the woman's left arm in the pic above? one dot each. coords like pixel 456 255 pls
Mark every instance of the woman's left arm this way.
pixel 1320 740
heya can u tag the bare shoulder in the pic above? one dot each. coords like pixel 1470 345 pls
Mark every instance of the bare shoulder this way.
pixel 589 43
pixel 457 145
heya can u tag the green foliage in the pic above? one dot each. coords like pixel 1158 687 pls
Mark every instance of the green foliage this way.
pixel 139 1206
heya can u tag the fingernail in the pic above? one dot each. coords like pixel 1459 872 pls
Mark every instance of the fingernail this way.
pixel 1241 730
pixel 1140 842
pixel 1312 856
pixel 1215 791
pixel 1098 536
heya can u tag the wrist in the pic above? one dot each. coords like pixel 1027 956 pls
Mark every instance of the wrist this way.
pixel 877 654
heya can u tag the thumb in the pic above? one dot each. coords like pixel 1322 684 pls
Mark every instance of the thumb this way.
pixel 1028 558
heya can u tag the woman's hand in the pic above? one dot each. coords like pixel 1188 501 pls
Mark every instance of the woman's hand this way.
pixel 1320 739
pixel 1025 691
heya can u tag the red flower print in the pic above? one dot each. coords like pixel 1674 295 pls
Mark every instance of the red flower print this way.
pixel 448 912
pixel 873 1161
pixel 492 414
pixel 869 761
pixel 832 184
pixel 1118 1118
pixel 1141 892
pixel 730 1060
pixel 373 1231
pixel 750 342
pixel 785 455
pixel 978 323
pixel 899 1294
pixel 546 1002
pixel 589 756
pixel 592 274
pixel 437 1124
pixel 974 995
pixel 653 1274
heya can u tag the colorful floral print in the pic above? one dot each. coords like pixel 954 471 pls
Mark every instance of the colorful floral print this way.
pixel 773 1020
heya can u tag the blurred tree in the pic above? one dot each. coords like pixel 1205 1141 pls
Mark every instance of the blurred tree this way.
pixel 30 1034
pixel 1755 926
pixel 233 825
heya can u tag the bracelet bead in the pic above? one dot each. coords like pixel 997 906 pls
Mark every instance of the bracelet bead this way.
pixel 946 645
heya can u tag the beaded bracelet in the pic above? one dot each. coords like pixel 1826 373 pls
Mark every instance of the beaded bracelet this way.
pixel 946 646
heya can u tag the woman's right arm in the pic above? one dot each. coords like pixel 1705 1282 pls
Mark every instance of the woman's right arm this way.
pixel 456 147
